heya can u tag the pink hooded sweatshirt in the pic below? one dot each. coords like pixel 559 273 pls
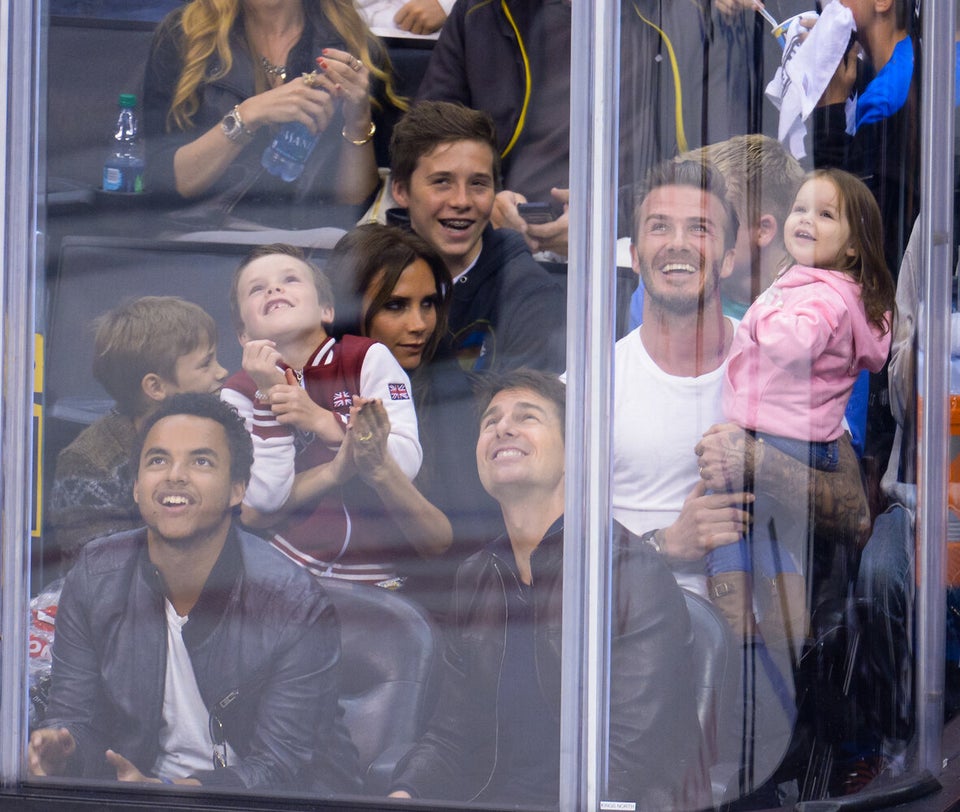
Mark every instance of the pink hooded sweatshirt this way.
pixel 797 354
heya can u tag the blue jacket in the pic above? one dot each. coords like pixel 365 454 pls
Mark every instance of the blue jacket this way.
pixel 264 643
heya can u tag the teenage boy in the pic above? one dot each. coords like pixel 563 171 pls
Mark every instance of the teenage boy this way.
pixel 506 311
pixel 144 351
pixel 295 393
pixel 187 651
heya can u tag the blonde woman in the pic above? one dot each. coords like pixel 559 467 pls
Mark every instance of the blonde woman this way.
pixel 222 79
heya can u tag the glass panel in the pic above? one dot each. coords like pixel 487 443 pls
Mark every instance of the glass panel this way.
pixel 751 416
pixel 779 670
pixel 244 694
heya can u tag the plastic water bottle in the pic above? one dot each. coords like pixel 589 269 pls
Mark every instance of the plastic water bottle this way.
pixel 287 154
pixel 123 170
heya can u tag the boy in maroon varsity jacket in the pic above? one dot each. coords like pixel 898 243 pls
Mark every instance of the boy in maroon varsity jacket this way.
pixel 296 392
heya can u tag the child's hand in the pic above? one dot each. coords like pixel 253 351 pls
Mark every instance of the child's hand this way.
pixel 293 407
pixel 261 362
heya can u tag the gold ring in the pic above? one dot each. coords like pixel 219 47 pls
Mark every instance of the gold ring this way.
pixel 310 79
pixel 364 437
pixel 356 64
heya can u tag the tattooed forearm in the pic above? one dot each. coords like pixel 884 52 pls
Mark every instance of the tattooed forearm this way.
pixel 840 501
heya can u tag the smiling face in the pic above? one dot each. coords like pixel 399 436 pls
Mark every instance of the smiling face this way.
pixel 198 371
pixel 277 299
pixel 816 232
pixel 183 486
pixel 450 197
pixel 679 253
pixel 520 447
pixel 408 318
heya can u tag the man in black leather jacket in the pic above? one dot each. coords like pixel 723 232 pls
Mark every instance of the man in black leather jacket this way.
pixel 495 735
pixel 190 637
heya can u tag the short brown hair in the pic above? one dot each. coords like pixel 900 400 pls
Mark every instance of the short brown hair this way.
pixel 761 176
pixel 320 280
pixel 373 249
pixel 431 123
pixel 545 384
pixel 689 173
pixel 143 336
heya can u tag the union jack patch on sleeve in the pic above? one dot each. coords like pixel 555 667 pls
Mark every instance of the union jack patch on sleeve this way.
pixel 342 399
pixel 398 391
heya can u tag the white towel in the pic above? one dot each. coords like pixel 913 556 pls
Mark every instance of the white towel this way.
pixel 806 70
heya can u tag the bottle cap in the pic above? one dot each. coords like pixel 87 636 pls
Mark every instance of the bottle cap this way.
pixel 128 99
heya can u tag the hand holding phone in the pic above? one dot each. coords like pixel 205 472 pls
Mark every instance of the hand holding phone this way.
pixel 536 213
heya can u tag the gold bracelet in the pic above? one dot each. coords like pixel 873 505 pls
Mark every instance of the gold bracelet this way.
pixel 362 141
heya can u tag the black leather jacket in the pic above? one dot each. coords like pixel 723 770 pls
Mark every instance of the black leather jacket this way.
pixel 656 756
pixel 264 643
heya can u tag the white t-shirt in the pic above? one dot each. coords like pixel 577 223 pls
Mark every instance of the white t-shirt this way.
pixel 186 745
pixel 658 420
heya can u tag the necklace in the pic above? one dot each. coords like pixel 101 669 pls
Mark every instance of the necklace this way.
pixel 274 70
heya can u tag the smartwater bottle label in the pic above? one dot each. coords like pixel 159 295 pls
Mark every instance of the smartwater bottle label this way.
pixel 295 142
pixel 112 179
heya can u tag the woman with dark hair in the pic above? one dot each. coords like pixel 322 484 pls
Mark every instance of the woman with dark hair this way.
pixel 225 76
pixel 392 287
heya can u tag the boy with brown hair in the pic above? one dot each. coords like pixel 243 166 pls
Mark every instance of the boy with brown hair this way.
pixel 762 180
pixel 505 310
pixel 296 392
pixel 144 351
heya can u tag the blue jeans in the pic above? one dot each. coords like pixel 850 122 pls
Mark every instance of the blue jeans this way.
pixel 767 556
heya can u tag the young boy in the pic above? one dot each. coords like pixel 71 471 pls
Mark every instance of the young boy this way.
pixel 506 311
pixel 144 351
pixel 296 392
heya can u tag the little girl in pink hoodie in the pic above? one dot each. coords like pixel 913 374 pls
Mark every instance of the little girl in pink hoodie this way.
pixel 793 363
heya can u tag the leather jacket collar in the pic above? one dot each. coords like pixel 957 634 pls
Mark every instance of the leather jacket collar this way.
pixel 218 591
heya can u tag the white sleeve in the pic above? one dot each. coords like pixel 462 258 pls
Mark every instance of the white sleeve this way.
pixel 271 477
pixel 382 377
pixel 446 5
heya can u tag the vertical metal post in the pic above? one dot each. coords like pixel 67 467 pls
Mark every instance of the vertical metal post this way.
pixel 594 112
pixel 19 56
pixel 936 178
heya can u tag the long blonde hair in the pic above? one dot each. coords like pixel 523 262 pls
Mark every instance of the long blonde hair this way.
pixel 206 26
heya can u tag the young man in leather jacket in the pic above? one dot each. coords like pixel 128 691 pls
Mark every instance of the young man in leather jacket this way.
pixel 189 637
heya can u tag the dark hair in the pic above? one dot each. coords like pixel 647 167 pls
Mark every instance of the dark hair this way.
pixel 545 384
pixel 143 336
pixel 431 123
pixel 869 265
pixel 211 408
pixel 320 280
pixel 371 251
pixel 700 176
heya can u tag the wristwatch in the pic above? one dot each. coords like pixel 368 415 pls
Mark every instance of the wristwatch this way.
pixel 652 539
pixel 232 126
